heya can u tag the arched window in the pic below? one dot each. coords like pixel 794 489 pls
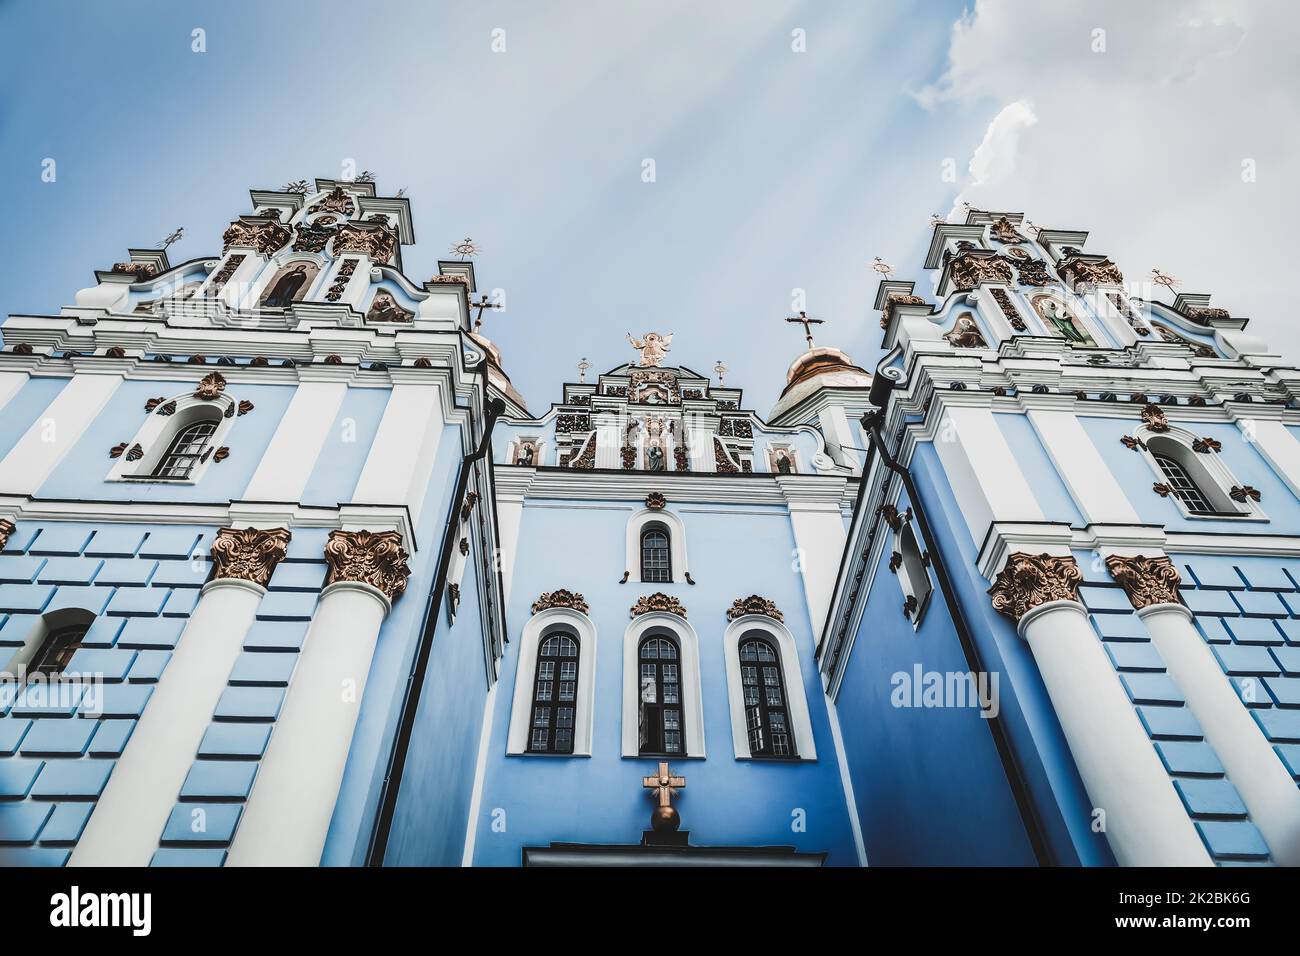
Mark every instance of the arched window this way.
pixel 767 713
pixel 186 450
pixel 555 695
pixel 656 556
pixel 57 649
pixel 1183 486
pixel 911 565
pixel 662 725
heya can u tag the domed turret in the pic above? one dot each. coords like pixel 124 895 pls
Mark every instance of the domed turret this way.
pixel 818 368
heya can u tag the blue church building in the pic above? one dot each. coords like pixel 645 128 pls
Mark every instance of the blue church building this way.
pixel 291 575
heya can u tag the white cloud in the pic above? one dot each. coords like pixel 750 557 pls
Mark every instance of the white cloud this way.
pixel 1143 142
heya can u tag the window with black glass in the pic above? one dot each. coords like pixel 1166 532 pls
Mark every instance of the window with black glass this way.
pixel 555 695
pixel 1188 492
pixel 662 724
pixel 57 649
pixel 186 450
pixel 656 556
pixel 767 712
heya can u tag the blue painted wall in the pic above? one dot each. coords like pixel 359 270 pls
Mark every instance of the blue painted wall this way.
pixel 733 551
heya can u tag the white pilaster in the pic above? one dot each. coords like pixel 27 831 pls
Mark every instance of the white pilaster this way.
pixel 1278 446
pixel 10 383
pixel 291 458
pixel 1254 769
pixel 55 432
pixel 1082 468
pixel 1146 824
pixel 819 535
pixel 402 455
pixel 984 474
pixel 608 442
pixel 129 818
pixel 287 816
pixel 839 438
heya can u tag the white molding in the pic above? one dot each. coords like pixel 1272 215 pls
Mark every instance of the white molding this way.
pixel 540 626
pixel 688 642
pixel 676 542
pixel 157 432
pixel 791 674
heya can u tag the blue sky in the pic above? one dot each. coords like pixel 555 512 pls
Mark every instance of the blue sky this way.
pixel 775 170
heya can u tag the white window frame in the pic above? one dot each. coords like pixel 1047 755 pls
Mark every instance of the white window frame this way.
pixel 688 642
pixel 539 627
pixel 676 543
pixel 910 587
pixel 156 434
pixel 791 676
pixel 1209 473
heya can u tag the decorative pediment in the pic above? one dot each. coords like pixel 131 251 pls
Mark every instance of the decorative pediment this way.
pixel 658 602
pixel 975 268
pixel 754 605
pixel 265 237
pixel 561 598
pixel 370 239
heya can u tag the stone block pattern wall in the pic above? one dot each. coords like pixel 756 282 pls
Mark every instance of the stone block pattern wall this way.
pixel 1212 802
pixel 57 750
pixel 206 815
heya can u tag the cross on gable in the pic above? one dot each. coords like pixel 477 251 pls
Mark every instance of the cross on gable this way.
pixel 807 322
pixel 482 304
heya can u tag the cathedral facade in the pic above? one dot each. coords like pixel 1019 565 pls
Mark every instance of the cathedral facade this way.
pixel 291 575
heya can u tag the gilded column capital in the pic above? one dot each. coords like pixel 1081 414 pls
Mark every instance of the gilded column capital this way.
pixel 249 554
pixel 1146 581
pixel 369 557
pixel 1029 580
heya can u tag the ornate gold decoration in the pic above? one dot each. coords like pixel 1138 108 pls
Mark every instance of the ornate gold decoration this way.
pixel 1032 272
pixel 1003 299
pixel 453 277
pixel 423 362
pixel 664 786
pixel 370 557
pixel 1203 316
pixel 1004 231
pixel 1029 580
pixel 221 454
pixel 135 452
pixel 333 360
pixel 1169 335
pixel 966 334
pixel 894 299
pixel 22 348
pixel 895 561
pixel 1162 489
pixel 245 406
pixel 653 348
pixel 6 529
pixel 223 276
pixel 1131 443
pixel 1154 417
pixel 725 465
pixel 974 268
pixel 586 458
pixel 1146 581
pixel 891 516
pixel 115 351
pixel 153 403
pixel 265 237
pixel 909 606
pixel 1206 445
pixel 384 308
pixel 467 506
pixel 1076 271
pixel 143 271
pixel 753 605
pixel 336 200
pixel 249 554
pixel 117 450
pixel 1240 493
pixel 560 598
pixel 196 360
pixel 211 385
pixel 655 501
pixel 658 602
pixel 260 361
pixel 341 278
pixel 371 239
pixel 312 238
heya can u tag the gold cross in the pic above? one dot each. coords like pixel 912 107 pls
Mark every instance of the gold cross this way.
pixel 665 783
pixel 807 323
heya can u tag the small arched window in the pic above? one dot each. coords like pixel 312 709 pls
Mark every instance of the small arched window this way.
pixel 767 712
pixel 662 725
pixel 555 695
pixel 656 555
pixel 911 564
pixel 186 450
pixel 57 649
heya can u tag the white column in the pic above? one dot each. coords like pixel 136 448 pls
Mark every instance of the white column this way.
pixel 55 431
pixel 609 442
pixel 1278 446
pixel 129 818
pixel 1146 823
pixel 984 473
pixel 819 534
pixel 1254 769
pixel 10 383
pixel 291 457
pixel 1082 468
pixel 402 455
pixel 287 816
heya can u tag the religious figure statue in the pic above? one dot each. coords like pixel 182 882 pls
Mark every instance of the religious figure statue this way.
pixel 527 454
pixel 286 287
pixel 783 464
pixel 652 348
pixel 1063 322
pixel 384 308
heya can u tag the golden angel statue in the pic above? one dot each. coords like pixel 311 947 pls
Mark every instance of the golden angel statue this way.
pixel 652 348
